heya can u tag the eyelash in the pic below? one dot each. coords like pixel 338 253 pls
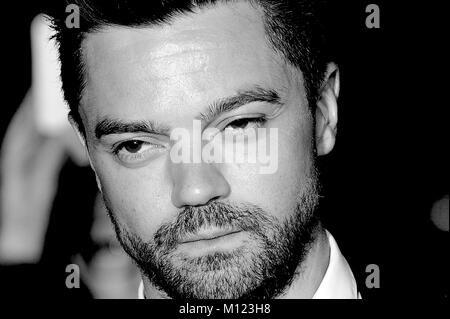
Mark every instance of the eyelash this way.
pixel 259 121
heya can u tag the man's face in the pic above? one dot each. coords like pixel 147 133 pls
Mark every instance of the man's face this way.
pixel 167 213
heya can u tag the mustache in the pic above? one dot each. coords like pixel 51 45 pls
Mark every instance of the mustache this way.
pixel 244 217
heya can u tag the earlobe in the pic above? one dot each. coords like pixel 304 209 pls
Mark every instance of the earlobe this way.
pixel 326 111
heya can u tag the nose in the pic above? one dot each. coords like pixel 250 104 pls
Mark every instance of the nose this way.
pixel 196 184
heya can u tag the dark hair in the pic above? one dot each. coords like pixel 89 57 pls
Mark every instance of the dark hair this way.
pixel 293 28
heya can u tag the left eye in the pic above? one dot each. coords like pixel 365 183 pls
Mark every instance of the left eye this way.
pixel 245 123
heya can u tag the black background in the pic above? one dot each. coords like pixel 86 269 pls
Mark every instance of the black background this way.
pixel 389 164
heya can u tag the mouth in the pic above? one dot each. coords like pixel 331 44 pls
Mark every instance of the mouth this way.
pixel 207 241
pixel 209 235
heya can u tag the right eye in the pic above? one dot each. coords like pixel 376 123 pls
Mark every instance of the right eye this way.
pixel 136 151
pixel 132 146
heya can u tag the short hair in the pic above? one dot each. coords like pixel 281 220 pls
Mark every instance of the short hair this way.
pixel 293 28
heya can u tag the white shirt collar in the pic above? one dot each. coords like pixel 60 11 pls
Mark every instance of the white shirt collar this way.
pixel 337 283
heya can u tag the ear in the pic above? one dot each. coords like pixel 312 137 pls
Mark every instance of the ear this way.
pixel 82 139
pixel 326 111
pixel 77 130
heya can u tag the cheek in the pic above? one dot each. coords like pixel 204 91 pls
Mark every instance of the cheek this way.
pixel 277 193
pixel 138 198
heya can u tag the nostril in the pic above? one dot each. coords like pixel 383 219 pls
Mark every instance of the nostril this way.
pixel 196 197
pixel 216 198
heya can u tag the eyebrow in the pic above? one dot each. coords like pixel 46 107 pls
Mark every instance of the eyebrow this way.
pixel 114 126
pixel 257 94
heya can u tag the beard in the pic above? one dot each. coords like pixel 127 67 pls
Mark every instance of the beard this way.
pixel 262 269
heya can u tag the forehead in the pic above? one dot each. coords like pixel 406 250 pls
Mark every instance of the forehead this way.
pixel 191 61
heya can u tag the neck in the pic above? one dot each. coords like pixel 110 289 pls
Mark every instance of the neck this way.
pixel 310 273
pixel 306 281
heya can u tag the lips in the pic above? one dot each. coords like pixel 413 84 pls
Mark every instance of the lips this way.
pixel 208 234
